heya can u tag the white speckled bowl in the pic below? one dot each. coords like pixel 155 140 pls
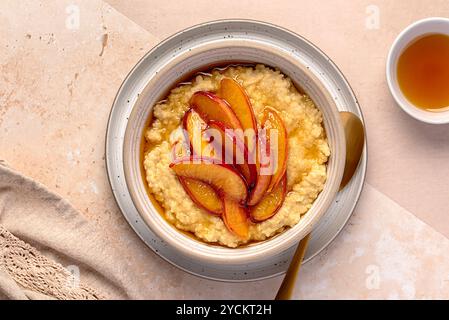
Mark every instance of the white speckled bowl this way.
pixel 197 48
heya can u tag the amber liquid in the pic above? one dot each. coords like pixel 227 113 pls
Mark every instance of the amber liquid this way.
pixel 423 72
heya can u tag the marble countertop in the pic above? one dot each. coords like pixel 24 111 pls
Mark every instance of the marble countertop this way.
pixel 62 62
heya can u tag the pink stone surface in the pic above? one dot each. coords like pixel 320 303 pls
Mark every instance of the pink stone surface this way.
pixel 57 85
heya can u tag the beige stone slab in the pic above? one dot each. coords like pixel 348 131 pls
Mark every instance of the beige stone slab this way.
pixel 385 252
pixel 57 85
pixel 56 89
pixel 408 160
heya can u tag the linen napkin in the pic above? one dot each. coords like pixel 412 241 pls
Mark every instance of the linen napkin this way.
pixel 48 250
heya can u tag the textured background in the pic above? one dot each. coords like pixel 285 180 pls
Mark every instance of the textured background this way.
pixel 58 80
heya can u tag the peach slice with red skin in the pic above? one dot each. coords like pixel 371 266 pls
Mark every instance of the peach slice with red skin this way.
pixel 233 93
pixel 194 126
pixel 211 107
pixel 237 149
pixel 235 217
pixel 263 180
pixel 272 121
pixel 222 177
pixel 270 203
pixel 200 144
pixel 203 195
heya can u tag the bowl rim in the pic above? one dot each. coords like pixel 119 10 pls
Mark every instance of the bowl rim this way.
pixel 441 117
pixel 309 74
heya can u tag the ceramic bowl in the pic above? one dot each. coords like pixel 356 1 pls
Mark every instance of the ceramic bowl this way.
pixel 174 62
pixel 405 38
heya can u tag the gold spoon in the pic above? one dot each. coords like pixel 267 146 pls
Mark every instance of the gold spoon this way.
pixel 355 139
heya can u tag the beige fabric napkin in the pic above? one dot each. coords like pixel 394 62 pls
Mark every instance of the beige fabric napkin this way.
pixel 48 250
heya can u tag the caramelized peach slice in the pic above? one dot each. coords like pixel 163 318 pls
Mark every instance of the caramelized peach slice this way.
pixel 203 195
pixel 194 126
pixel 221 177
pixel 272 121
pixel 235 218
pixel 231 91
pixel 263 180
pixel 181 146
pixel 200 143
pixel 235 151
pixel 257 193
pixel 211 107
pixel 270 203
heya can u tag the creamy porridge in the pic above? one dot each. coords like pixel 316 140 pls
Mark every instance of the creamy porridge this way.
pixel 308 153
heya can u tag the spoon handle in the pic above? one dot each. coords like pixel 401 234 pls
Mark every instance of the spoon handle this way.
pixel 286 289
pixel 355 140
